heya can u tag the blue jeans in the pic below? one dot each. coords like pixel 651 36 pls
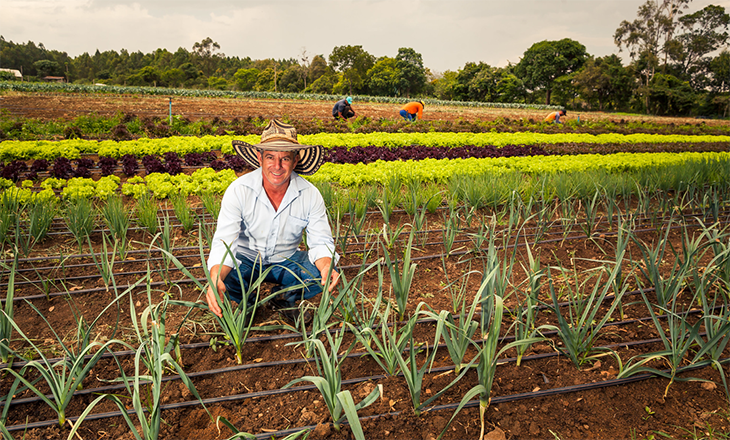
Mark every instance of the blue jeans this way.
pixel 298 264
pixel 408 116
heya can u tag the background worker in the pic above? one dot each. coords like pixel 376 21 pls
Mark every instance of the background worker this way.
pixel 555 116
pixel 263 217
pixel 412 110
pixel 343 109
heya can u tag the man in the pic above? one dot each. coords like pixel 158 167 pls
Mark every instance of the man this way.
pixel 412 110
pixel 555 116
pixel 262 219
pixel 343 109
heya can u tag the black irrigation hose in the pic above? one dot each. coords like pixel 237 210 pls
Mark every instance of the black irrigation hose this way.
pixel 267 393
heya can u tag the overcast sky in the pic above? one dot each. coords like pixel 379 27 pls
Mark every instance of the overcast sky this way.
pixel 447 33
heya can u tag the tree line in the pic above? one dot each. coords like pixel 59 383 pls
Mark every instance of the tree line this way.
pixel 679 65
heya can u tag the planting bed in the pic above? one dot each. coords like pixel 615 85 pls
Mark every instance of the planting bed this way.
pixel 454 247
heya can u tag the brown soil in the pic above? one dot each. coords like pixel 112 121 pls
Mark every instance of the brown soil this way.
pixel 70 106
pixel 254 402
pixel 615 411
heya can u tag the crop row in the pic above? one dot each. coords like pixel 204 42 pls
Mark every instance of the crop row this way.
pixel 74 148
pixel 126 90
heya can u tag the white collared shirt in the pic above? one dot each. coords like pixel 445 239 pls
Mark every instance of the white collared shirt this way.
pixel 252 228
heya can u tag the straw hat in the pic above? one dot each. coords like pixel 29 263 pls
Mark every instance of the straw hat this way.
pixel 278 136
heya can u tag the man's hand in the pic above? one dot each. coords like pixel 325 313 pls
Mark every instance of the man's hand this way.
pixel 323 264
pixel 217 274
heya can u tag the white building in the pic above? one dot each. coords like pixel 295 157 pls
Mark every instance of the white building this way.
pixel 15 72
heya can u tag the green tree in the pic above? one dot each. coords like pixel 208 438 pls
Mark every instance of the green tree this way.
pixel 204 51
pixel 445 85
pixel 146 76
pixel 353 62
pixel 245 79
pixel 703 32
pixel 649 36
pixel 325 83
pixel 510 88
pixel 546 61
pixel 47 68
pixel 411 74
pixel 720 70
pixel 292 80
pixel 605 83
pixel 174 77
pixel 317 68
pixel 384 77
pixel 669 95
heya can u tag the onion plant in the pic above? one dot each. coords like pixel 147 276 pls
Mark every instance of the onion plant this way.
pixel 79 218
pixel 105 261
pixel 9 209
pixel 401 280
pixel 384 205
pixel 340 403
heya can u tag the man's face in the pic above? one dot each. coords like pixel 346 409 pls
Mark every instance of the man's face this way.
pixel 277 166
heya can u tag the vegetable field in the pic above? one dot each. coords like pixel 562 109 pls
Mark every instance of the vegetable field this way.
pixel 538 291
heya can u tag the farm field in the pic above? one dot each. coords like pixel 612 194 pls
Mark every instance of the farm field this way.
pixel 607 290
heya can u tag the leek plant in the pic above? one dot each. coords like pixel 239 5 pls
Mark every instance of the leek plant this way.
pixel 401 280
pixel 6 320
pixel 449 232
pixel 79 218
pixel 105 261
pixel 382 341
pixel 117 220
pixel 580 327
pixel 412 374
pixel 340 403
pixel 40 215
pixel 212 202
pixel 677 335
pixel 151 361
pixel 183 212
pixel 235 322
pixel 487 359
pixel 665 286
pixel 146 211
pixel 9 209
pixel 384 205
pixel 526 312
pixel 62 377
pixel 457 332
pixel 496 275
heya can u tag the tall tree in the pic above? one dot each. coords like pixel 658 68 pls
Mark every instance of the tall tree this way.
pixel 411 74
pixel 604 82
pixel 546 61
pixel 354 64
pixel 205 52
pixel 650 34
pixel 702 33
pixel 384 77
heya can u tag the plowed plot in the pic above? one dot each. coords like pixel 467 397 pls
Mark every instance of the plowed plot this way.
pixel 71 106
pixel 545 396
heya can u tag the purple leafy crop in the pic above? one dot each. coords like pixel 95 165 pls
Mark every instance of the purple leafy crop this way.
pixel 129 164
pixel 62 168
pixel 173 164
pixel 107 165
pixel 153 164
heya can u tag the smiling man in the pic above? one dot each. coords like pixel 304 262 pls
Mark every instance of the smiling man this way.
pixel 263 217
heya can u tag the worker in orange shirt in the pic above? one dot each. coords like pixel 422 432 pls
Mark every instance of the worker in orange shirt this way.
pixel 412 110
pixel 555 116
